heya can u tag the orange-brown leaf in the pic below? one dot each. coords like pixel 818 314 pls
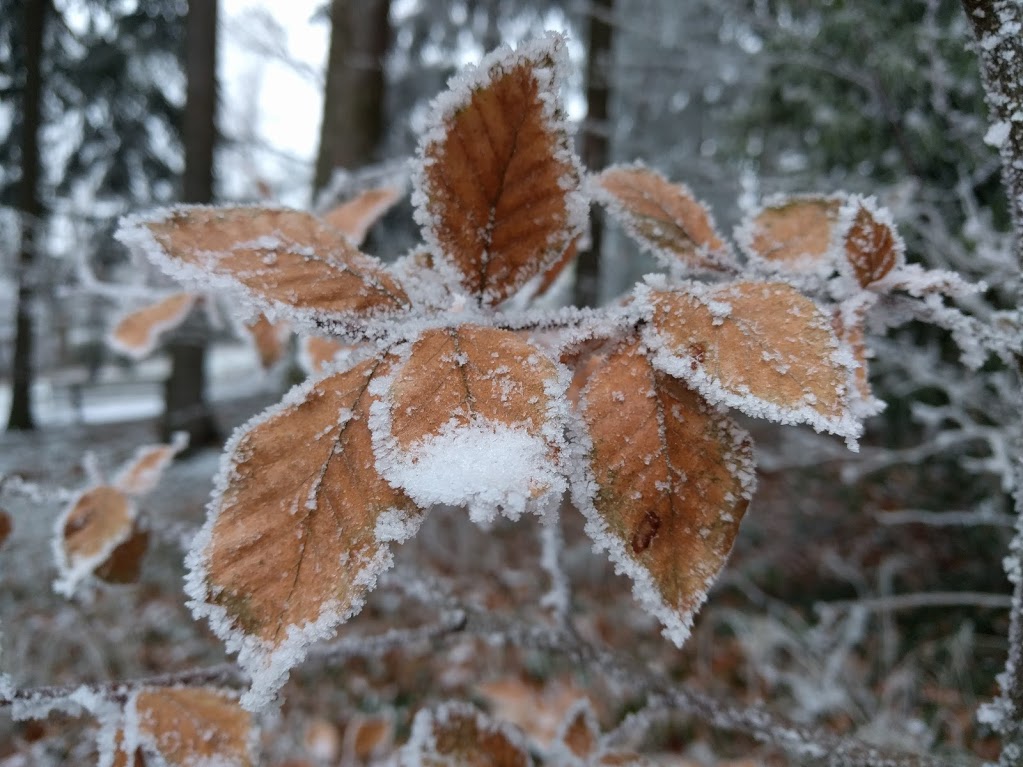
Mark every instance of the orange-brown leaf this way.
pixel 497 182
pixel 849 321
pixel 92 526
pixel 269 338
pixel 579 732
pixel 6 526
pixel 356 216
pixel 316 353
pixel 193 726
pixel 290 546
pixel 872 247
pixel 285 260
pixel 673 479
pixel 143 471
pixel 665 218
pixel 137 332
pixel 459 735
pixel 479 391
pixel 124 565
pixel 760 347
pixel 368 738
pixel 554 271
pixel 796 234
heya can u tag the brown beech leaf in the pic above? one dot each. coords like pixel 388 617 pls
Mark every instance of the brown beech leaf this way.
pixel 142 472
pixel 579 733
pixel 472 417
pixel 6 526
pixel 292 544
pixel 368 738
pixel 673 477
pixel 848 320
pixel 137 333
pixel 497 183
pixel 270 340
pixel 316 353
pixel 663 217
pixel 192 727
pixel 93 525
pixel 795 234
pixel 355 217
pixel 286 261
pixel 872 247
pixel 558 267
pixel 124 565
pixel 457 734
pixel 760 347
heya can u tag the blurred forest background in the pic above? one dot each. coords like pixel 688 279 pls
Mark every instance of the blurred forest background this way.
pixel 112 106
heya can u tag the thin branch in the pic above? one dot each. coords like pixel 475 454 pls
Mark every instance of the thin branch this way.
pixel 924 599
pixel 996 27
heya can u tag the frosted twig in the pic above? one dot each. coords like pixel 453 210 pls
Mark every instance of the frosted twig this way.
pixel 14 485
pixel 923 599
pixel 559 597
pixel 984 516
pixel 41 700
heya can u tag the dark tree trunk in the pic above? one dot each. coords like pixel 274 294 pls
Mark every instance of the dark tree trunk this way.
pixel 31 211
pixel 595 141
pixel 353 104
pixel 185 407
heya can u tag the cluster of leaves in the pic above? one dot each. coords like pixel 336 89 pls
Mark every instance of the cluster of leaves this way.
pixel 101 532
pixel 454 389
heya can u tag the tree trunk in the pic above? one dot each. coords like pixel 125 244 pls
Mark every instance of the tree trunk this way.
pixel 185 407
pixel 353 104
pixel 31 211
pixel 595 142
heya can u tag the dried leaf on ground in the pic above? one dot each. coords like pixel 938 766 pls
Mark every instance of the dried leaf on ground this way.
pixel 459 735
pixel 472 416
pixel 190 727
pixel 355 217
pixel 286 262
pixel 299 489
pixel 496 188
pixel 795 234
pixel 760 347
pixel 664 217
pixel 672 478
pixel 137 333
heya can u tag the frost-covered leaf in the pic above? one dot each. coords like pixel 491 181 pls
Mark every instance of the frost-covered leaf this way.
pixel 664 217
pixel 497 184
pixel 550 276
pixel 759 347
pixel 794 234
pixel 6 526
pixel 848 321
pixel 459 735
pixel 472 416
pixel 316 353
pixel 269 338
pixel 536 709
pixel 124 565
pixel 578 733
pixel 92 526
pixel 297 531
pixel 872 246
pixel 671 478
pixel 286 262
pixel 137 333
pixel 189 727
pixel 368 737
pixel 142 472
pixel 355 217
